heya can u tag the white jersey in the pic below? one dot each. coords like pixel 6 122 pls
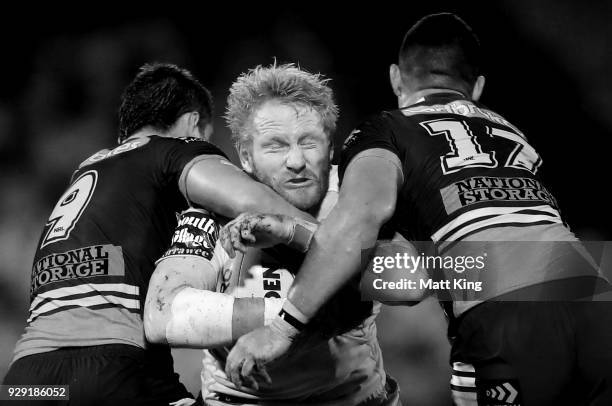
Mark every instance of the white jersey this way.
pixel 344 370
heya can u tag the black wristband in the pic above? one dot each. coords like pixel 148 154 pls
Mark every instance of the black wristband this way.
pixel 295 323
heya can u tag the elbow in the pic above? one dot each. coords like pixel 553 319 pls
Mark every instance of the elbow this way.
pixel 372 213
pixel 380 212
pixel 373 217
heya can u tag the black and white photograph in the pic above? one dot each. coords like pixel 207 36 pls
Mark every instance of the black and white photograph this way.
pixel 377 204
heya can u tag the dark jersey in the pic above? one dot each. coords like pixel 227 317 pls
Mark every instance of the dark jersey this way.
pixel 97 251
pixel 470 175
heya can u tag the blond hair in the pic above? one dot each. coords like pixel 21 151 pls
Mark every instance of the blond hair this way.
pixel 286 83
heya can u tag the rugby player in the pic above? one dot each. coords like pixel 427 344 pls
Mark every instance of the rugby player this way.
pixel 444 168
pixel 282 120
pixel 97 251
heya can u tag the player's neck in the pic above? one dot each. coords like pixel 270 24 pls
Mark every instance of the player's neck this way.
pixel 148 131
pixel 420 95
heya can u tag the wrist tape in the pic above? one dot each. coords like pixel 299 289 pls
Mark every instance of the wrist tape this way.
pixel 303 231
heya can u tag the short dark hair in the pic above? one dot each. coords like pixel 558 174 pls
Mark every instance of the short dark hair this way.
pixel 159 94
pixel 441 50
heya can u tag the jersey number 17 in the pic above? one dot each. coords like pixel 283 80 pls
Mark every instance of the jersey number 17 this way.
pixel 466 152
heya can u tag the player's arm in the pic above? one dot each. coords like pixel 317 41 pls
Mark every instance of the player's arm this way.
pixel 183 310
pixel 266 230
pixel 394 272
pixel 182 307
pixel 213 182
pixel 367 200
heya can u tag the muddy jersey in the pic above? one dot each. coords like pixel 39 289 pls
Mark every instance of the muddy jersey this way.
pixel 98 248
pixel 470 175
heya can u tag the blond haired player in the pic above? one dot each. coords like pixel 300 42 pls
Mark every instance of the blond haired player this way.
pixel 282 119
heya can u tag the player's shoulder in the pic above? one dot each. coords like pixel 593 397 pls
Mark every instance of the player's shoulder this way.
pixel 131 144
pixel 185 143
pixel 373 126
pixel 180 140
pixel 385 120
pixel 151 144
pixel 380 118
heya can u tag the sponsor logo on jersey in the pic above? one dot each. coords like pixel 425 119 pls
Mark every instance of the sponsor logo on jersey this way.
pixel 190 139
pixel 353 137
pixel 497 392
pixel 271 283
pixel 96 260
pixel 487 189
pixel 128 145
pixel 196 234
pixel 256 276
pixel 463 108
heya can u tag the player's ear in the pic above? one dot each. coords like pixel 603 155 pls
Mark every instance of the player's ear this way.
pixel 478 88
pixel 186 125
pixel 193 118
pixel 246 160
pixel 395 77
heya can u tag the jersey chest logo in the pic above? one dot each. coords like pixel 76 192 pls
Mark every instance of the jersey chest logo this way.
pixel 353 137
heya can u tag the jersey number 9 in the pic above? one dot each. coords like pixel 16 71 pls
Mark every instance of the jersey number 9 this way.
pixel 69 208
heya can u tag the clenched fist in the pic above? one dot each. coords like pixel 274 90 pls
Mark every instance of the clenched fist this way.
pixel 256 230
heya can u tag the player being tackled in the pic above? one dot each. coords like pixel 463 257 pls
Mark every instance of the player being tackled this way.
pixel 282 119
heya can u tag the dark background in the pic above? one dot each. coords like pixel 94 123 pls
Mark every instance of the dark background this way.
pixel 548 69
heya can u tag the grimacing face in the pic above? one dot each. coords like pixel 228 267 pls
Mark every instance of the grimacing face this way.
pixel 290 152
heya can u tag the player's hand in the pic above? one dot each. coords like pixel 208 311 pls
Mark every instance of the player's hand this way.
pixel 256 230
pixel 246 362
pixel 229 236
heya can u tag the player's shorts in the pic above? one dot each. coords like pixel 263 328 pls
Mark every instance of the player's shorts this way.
pixel 113 375
pixel 389 397
pixel 533 353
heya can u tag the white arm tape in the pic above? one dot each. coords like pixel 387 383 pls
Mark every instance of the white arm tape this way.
pixel 200 318
pixel 272 306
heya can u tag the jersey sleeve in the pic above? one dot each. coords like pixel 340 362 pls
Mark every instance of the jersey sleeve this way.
pixel 375 132
pixel 178 152
pixel 195 235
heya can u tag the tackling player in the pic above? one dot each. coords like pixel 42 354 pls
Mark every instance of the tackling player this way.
pixel 445 168
pixel 97 251
pixel 282 119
